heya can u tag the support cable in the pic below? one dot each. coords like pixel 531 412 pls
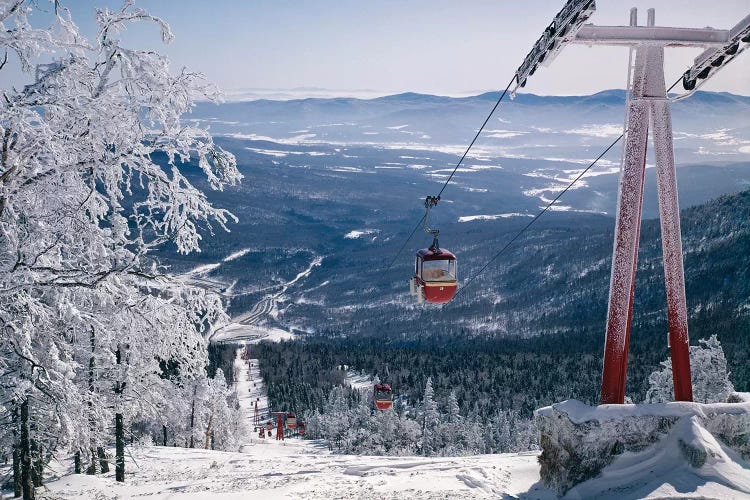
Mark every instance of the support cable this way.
pixel 486 120
pixel 477 135
pixel 419 223
pixel 549 205
pixel 674 84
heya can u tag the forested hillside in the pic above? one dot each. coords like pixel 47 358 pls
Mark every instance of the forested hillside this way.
pixel 559 308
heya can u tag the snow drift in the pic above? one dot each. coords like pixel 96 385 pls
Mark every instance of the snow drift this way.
pixel 636 450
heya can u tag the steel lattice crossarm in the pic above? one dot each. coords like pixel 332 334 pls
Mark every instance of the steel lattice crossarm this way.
pixel 722 45
pixel 560 31
pixel 647 106
pixel 712 60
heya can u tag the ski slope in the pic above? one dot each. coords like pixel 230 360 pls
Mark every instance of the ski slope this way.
pixel 250 390
pixel 249 327
pixel 238 332
pixel 269 470
pixel 296 468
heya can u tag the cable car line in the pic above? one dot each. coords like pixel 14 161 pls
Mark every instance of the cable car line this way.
pixel 502 250
pixel 674 84
pixel 477 135
pixel 405 243
pixel 463 157
pixel 549 205
pixel 456 290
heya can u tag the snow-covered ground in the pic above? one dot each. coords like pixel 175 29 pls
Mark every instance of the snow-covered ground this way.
pixel 293 468
pixel 301 470
pixel 662 471
pixel 250 390
pixel 296 468
pixel 238 332
pixel 358 380
pixel 248 326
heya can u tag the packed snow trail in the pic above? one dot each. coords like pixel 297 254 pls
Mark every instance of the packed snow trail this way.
pixel 287 471
pixel 268 304
pixel 247 326
pixel 250 389
pixel 265 306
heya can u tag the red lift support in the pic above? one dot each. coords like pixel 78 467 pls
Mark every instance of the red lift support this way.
pixel 647 104
pixel 280 424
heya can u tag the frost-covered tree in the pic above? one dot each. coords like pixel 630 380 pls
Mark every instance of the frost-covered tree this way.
pixel 708 369
pixel 453 408
pixel 430 418
pixel 213 418
pixel 90 185
pixel 355 427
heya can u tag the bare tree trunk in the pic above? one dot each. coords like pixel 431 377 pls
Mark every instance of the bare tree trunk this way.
pixel 209 429
pixel 27 487
pixel 16 455
pixel 91 469
pixel 95 450
pixel 77 462
pixel 164 435
pixel 192 416
pixel 119 449
pixel 103 463
pixel 37 470
pixel 16 471
pixel 119 428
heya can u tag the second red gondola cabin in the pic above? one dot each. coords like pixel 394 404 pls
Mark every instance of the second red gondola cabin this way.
pixel 435 276
pixel 383 397
pixel 291 421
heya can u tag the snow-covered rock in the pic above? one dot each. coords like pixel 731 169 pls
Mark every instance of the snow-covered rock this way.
pixel 580 442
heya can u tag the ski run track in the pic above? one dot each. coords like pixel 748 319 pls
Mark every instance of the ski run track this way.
pixel 302 469
pixel 296 468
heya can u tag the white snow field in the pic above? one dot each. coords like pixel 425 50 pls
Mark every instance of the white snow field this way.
pixel 295 468
pixel 239 332
pixel 250 389
pixel 661 472
pixel 306 469
pixel 269 470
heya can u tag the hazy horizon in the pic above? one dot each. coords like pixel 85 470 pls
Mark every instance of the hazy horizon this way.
pixel 426 46
pixel 288 94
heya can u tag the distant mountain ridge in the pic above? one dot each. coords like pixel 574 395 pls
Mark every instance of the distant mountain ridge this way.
pixel 615 94
pixel 529 126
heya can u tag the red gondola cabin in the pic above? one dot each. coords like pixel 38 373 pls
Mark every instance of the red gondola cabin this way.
pixel 435 276
pixel 383 397
pixel 301 428
pixel 291 421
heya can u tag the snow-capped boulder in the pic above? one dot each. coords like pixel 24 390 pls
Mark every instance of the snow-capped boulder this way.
pixel 580 442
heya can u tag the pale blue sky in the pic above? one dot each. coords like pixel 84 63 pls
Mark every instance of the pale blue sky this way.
pixel 431 46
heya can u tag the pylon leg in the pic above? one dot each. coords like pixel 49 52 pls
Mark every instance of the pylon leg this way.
pixel 625 253
pixel 669 214
pixel 279 427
